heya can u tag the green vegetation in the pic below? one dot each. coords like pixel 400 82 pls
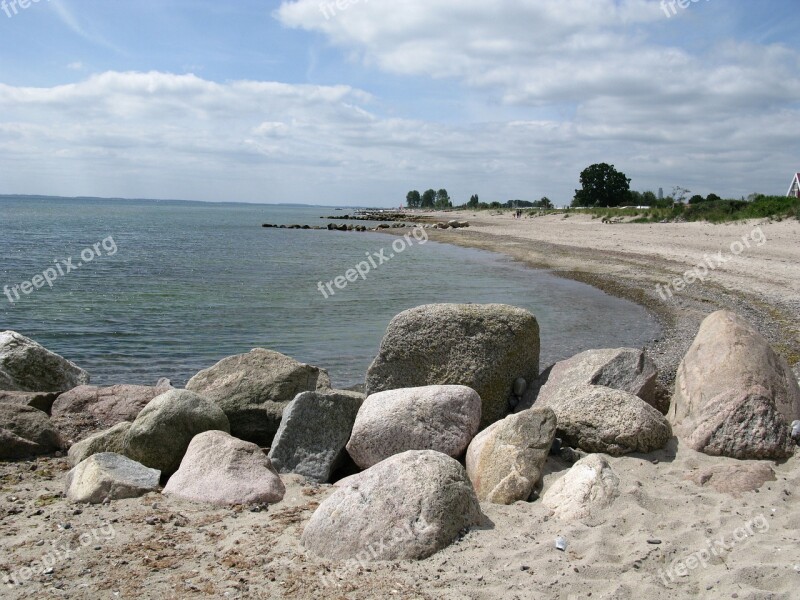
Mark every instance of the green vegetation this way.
pixel 714 211
pixel 606 194
pixel 430 199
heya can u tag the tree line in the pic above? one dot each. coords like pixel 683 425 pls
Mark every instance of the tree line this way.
pixel 429 199
pixel 602 185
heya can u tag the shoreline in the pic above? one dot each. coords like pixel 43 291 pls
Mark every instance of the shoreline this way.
pixel 629 261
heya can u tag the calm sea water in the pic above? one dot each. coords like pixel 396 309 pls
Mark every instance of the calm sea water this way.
pixel 191 283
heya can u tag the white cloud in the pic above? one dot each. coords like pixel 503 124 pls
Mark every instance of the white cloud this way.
pixel 586 77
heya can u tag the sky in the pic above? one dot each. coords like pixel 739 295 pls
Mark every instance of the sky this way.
pixel 356 102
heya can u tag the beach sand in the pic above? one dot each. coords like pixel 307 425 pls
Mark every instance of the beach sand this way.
pixel 160 547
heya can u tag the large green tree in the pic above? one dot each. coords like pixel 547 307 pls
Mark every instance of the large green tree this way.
pixel 443 199
pixel 602 185
pixel 413 199
pixel 429 199
pixel 474 201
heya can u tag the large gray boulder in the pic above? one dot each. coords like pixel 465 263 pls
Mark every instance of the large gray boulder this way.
pixel 444 418
pixel 26 366
pixel 407 507
pixel 626 369
pixel 505 461
pixel 589 486
pixel 484 347
pixel 253 389
pixel 599 419
pixel 26 431
pixel 220 469
pixel 734 396
pixel 313 433
pixel 109 405
pixel 110 440
pixel 160 435
pixel 111 476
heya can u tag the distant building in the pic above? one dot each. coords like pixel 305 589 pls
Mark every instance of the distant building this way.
pixel 794 190
pixel 660 193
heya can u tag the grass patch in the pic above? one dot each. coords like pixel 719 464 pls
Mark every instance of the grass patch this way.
pixel 721 211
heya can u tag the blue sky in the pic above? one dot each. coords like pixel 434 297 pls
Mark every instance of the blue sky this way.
pixel 302 101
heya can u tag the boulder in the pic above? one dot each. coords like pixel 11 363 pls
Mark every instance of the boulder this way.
pixel 505 461
pixel 599 419
pixel 407 507
pixel 160 435
pixel 109 405
pixel 112 476
pixel 42 401
pixel 734 480
pixel 484 347
pixel 626 369
pixel 26 366
pixel 590 485
pixel 110 440
pixel 254 388
pixel 313 433
pixel 220 469
pixel 26 431
pixel 734 396
pixel 740 424
pixel 443 418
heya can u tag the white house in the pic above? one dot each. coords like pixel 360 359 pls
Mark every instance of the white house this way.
pixel 794 190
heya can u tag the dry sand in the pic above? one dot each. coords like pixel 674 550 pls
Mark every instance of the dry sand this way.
pixel 159 547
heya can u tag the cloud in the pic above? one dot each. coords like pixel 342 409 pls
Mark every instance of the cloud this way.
pixel 586 80
pixel 668 113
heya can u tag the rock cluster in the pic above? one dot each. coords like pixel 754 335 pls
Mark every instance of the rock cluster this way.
pixel 440 391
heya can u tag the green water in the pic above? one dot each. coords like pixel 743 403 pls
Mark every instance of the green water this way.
pixel 191 283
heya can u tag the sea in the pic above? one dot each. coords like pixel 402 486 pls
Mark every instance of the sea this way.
pixel 136 290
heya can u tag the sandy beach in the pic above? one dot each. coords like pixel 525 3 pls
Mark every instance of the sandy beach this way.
pixel 678 529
